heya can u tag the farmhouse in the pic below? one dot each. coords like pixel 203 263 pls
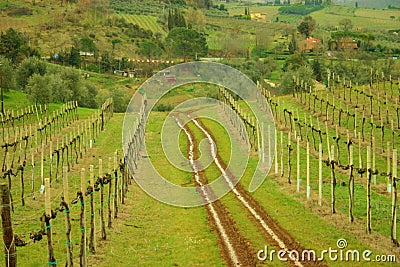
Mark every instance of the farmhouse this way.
pixel 258 16
pixel 125 73
pixel 309 44
pixel 347 44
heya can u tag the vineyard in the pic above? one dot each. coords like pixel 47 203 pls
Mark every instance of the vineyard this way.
pixel 68 192
pixel 54 184
pixel 144 21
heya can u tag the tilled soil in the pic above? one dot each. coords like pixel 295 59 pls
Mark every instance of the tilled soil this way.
pixel 242 247
pixel 274 233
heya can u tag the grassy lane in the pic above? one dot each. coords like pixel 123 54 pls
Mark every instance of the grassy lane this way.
pixel 152 233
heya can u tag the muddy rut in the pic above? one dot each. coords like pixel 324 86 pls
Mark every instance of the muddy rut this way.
pixel 270 228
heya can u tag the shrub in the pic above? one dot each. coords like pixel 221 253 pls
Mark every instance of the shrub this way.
pixel 163 107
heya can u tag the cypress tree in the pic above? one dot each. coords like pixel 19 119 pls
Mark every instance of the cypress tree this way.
pixel 293 44
pixel 170 20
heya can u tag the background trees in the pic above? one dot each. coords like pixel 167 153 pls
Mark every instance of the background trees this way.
pixel 175 19
pixel 307 26
pixel 14 46
pixel 196 19
pixel 293 46
pixel 27 68
pixel 8 81
pixel 187 43
pixel 304 73
pixel 150 49
pixel 346 24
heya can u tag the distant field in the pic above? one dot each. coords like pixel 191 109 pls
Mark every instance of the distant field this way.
pixel 366 18
pixel 361 17
pixel 144 21
pixel 270 11
pixel 369 3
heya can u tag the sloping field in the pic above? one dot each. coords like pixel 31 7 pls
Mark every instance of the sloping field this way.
pixel 144 21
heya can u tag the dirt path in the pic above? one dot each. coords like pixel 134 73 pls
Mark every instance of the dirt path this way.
pixel 274 233
pixel 236 250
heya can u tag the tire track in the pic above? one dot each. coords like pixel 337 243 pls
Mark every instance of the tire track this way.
pixel 274 233
pixel 235 248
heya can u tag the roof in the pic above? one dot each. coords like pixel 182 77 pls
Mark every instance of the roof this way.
pixel 313 40
pixel 309 44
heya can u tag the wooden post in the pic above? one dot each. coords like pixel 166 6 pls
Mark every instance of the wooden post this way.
pixel 373 160
pixel 10 251
pixel 52 260
pixel 276 152
pixel 393 132
pixel 360 164
pixel 282 168
pixel 41 165
pixel 308 171
pixel 269 145
pixel 36 137
pixel 261 136
pixel 22 170
pixel 33 171
pixel 110 190
pixel 92 240
pixel 289 158
pixel 124 178
pixel 320 174
pixel 337 145
pixel 394 199
pixel 82 254
pixel 355 124
pixel 298 164
pixel 327 140
pixel 388 170
pixel 333 179
pixel 369 174
pixel 69 262
pixel 103 228
pixel 116 184
pixel 351 185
